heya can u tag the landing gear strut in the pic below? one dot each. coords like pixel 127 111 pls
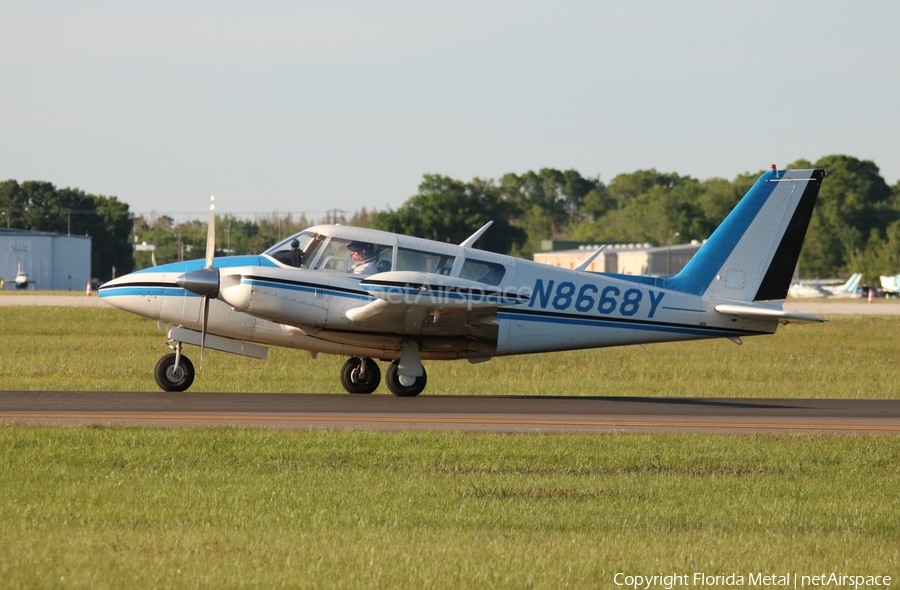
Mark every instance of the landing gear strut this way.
pixel 174 372
pixel 360 375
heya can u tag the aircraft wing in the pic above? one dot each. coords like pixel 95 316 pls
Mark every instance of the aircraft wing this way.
pixel 417 298
pixel 766 313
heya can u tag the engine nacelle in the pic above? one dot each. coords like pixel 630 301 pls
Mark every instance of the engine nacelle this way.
pixel 278 295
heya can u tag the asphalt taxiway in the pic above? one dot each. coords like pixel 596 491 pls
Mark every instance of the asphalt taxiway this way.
pixel 462 413
pixel 465 413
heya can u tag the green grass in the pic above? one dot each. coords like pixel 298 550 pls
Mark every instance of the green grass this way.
pixel 104 507
pixel 60 348
pixel 141 507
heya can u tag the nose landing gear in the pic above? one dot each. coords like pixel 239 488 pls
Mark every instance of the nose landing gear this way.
pixel 174 372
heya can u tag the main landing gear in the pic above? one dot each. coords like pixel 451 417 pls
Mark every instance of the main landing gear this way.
pixel 362 375
pixel 404 385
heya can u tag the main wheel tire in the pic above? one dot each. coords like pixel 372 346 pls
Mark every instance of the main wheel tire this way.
pixel 170 379
pixel 350 376
pixel 400 390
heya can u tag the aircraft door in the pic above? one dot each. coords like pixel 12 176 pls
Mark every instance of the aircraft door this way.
pixel 191 306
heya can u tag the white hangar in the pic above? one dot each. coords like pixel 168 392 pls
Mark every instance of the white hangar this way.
pixel 52 262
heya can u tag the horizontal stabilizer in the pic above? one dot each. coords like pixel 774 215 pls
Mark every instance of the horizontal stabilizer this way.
pixel 768 313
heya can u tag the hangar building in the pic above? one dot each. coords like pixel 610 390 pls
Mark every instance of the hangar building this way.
pixel 53 262
pixel 632 259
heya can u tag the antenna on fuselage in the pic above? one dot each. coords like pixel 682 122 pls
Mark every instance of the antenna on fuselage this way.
pixel 590 258
pixel 467 243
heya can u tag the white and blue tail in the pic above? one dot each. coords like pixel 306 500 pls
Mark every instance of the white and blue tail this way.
pixel 852 284
pixel 752 255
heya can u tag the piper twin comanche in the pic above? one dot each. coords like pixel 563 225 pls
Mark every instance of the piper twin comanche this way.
pixel 368 294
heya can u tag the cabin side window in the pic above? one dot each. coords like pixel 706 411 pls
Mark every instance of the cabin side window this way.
pixel 420 261
pixel 355 257
pixel 489 273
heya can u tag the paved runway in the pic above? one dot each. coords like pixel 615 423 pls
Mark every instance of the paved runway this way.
pixel 465 413
pixel 461 413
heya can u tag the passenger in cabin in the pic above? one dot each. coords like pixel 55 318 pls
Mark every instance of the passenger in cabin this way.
pixel 364 258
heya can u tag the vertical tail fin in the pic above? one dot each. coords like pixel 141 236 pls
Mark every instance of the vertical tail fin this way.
pixel 752 255
pixel 852 284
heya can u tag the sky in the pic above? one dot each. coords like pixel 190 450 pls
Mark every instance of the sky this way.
pixel 310 106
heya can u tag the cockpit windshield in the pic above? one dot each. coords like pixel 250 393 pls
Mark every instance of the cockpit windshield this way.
pixel 298 250
pixel 315 251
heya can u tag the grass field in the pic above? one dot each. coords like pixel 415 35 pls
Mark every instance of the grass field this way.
pixel 104 507
pixel 61 348
pixel 141 507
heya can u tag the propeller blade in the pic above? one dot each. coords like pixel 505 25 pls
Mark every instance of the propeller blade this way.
pixel 211 233
pixel 203 326
pixel 204 282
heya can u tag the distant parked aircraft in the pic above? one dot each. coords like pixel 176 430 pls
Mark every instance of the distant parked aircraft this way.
pixel 848 289
pixel 820 288
pixel 891 285
pixel 21 279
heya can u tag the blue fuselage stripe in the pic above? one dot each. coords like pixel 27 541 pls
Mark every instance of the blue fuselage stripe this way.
pixel 304 288
pixel 622 324
pixel 160 290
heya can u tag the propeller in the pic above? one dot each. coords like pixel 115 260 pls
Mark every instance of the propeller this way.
pixel 205 281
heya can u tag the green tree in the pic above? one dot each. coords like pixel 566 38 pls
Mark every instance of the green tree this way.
pixel 550 203
pixel 855 207
pixel 11 204
pixel 719 196
pixel 650 207
pixel 40 206
pixel 449 210
pixel 881 255
pixel 110 247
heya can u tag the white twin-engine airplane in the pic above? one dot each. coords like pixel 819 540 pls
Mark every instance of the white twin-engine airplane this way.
pixel 368 294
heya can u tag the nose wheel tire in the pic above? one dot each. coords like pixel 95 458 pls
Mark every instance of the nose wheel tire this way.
pixel 171 379
pixel 395 382
pixel 355 380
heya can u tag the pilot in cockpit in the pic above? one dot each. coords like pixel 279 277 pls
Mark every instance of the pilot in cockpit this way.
pixel 364 258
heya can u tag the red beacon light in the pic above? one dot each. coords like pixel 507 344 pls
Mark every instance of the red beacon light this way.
pixel 774 167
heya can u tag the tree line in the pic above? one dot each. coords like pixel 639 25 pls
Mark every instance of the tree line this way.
pixel 40 206
pixel 855 225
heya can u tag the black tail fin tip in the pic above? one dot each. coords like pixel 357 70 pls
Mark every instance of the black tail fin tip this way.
pixel 777 280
